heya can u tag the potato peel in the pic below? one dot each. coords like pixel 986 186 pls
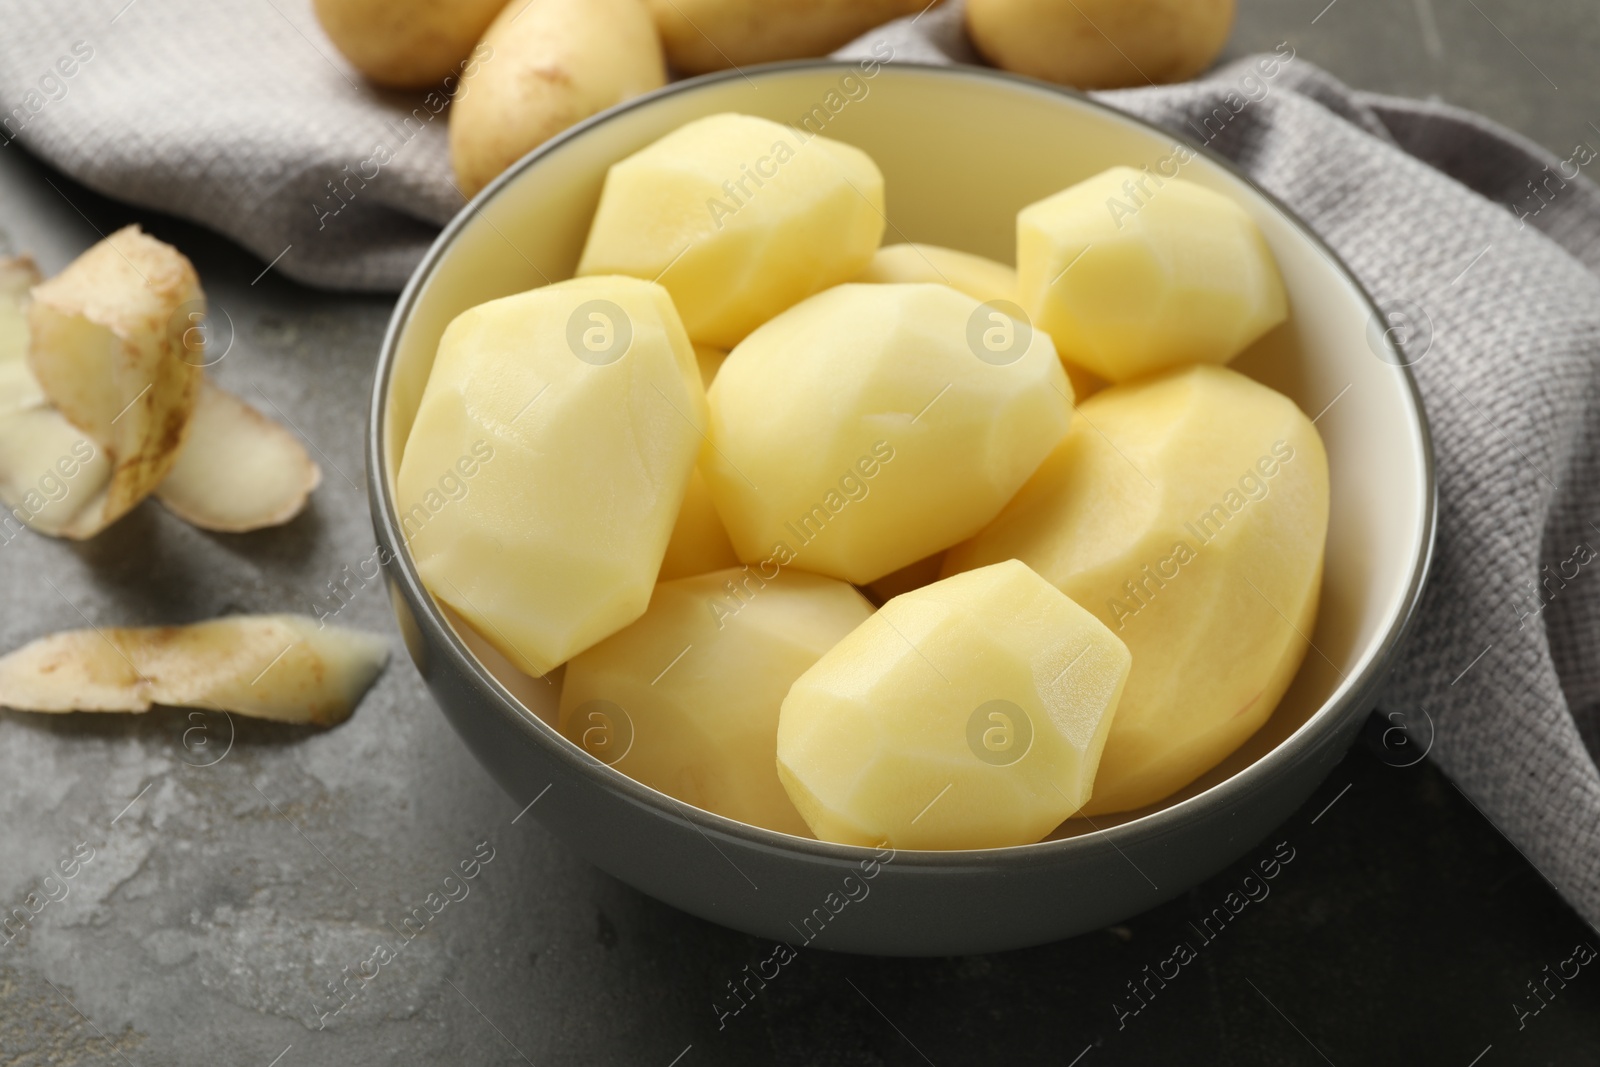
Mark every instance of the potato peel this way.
pixel 50 471
pixel 238 470
pixel 105 345
pixel 280 667
pixel 18 274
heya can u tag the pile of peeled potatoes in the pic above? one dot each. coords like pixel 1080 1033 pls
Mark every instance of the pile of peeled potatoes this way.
pixel 880 544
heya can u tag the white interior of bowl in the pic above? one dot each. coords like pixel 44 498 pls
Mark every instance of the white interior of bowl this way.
pixel 961 152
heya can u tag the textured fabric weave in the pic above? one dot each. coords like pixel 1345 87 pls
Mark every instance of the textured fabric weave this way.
pixel 242 117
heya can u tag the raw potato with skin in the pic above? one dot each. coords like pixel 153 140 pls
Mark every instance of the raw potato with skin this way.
pixel 1101 44
pixel 407 44
pixel 282 667
pixel 705 35
pixel 553 64
pixel 104 347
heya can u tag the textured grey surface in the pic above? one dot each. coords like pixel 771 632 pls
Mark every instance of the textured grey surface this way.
pixel 221 899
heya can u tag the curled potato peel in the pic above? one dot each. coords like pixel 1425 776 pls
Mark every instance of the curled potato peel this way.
pixel 82 441
pixel 104 351
pixel 18 389
pixel 281 667
pixel 238 470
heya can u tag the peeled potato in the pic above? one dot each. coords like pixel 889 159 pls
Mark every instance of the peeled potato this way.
pixel 1084 383
pixel 979 278
pixel 1132 273
pixel 407 44
pixel 686 699
pixel 707 35
pixel 968 714
pixel 106 347
pixel 238 470
pixel 548 461
pixel 911 576
pixel 699 542
pixel 1101 44
pixel 550 65
pixel 282 667
pixel 870 426
pixel 1188 512
pixel 533 692
pixel 739 218
pixel 710 361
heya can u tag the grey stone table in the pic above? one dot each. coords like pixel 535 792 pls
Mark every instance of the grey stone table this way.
pixel 226 875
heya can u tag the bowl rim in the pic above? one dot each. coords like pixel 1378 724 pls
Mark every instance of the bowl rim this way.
pixel 1349 698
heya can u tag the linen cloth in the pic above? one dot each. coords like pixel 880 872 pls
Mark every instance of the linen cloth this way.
pixel 243 117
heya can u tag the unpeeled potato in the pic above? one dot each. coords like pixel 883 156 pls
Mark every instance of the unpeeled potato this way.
pixel 1101 44
pixel 707 35
pixel 550 64
pixel 406 44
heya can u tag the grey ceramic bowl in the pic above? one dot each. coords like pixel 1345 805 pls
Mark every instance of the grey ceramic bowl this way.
pixel 962 149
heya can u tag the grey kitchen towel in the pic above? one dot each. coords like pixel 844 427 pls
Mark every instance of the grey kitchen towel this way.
pixel 1484 247
pixel 240 116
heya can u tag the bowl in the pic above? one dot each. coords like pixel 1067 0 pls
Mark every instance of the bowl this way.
pixel 961 150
